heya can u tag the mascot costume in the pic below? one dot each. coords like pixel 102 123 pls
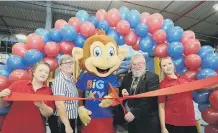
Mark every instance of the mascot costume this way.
pixel 100 57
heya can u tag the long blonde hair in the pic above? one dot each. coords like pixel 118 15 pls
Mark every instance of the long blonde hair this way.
pixel 162 74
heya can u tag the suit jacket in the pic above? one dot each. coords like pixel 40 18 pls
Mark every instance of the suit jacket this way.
pixel 143 108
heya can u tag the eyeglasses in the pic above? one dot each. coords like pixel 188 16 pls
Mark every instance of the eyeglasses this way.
pixel 67 63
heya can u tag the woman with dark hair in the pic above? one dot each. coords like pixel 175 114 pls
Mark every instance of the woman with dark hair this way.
pixel 28 116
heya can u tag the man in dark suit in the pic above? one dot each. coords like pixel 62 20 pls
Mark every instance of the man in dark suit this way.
pixel 142 116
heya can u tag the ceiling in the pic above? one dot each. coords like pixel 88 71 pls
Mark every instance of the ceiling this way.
pixel 26 16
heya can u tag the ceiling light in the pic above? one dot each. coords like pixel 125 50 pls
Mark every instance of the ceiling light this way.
pixel 21 36
pixel 216 6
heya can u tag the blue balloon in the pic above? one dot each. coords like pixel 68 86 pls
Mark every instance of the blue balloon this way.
pixel 125 63
pixel 205 47
pixel 141 30
pixel 82 15
pixel 175 34
pixel 80 40
pixel 179 62
pixel 93 20
pixel 151 52
pixel 146 44
pixel 4 71
pixel 167 24
pixel 124 12
pixel 175 49
pixel 114 34
pixel 121 40
pixel 203 106
pixel 103 25
pixel 210 61
pixel 202 90
pixel 181 70
pixel 134 18
pixel 55 35
pixel 202 97
pixel 205 73
pixel 15 62
pixel 58 56
pixel 68 33
pixel 204 52
pixel 32 56
pixel 44 34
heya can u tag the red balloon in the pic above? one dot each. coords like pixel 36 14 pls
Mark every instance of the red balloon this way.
pixel 192 47
pixel 34 41
pixel 191 74
pixel 19 49
pixel 136 46
pixel 51 49
pixel 160 50
pixel 66 47
pixel 193 61
pixel 185 40
pixel 144 17
pixel 113 17
pixel 101 14
pixel 87 29
pixel 60 23
pixel 159 36
pixel 189 34
pixel 131 38
pixel 52 62
pixel 123 27
pixel 19 75
pixel 214 99
pixel 4 82
pixel 155 21
pixel 75 22
pixel 211 129
pixel 210 115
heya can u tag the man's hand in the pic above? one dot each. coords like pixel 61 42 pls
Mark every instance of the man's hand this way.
pixel 129 117
pixel 84 115
pixel 40 104
pixel 106 102
pixel 68 129
pixel 5 92
pixel 125 93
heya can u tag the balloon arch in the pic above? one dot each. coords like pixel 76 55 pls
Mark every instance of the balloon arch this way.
pixel 149 33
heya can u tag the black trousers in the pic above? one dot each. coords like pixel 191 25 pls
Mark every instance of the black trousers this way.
pixel 53 124
pixel 181 129
pixel 60 127
pixel 151 125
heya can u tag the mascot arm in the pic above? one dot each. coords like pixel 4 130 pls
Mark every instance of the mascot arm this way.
pixel 112 93
pixel 84 113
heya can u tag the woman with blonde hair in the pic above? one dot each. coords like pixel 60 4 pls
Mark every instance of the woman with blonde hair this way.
pixel 28 116
pixel 176 111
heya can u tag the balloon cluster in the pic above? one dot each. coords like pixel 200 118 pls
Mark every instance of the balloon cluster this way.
pixel 149 33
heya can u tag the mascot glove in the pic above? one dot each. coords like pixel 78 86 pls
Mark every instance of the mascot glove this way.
pixel 84 115
pixel 106 102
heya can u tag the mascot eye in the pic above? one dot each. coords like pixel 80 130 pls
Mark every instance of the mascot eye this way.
pixel 111 51
pixel 97 51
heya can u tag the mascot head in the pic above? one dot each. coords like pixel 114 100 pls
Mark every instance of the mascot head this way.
pixel 100 55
